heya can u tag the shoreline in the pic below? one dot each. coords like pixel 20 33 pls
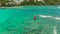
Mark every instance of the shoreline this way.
pixel 31 6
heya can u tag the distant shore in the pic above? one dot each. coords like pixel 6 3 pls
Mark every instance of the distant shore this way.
pixel 24 7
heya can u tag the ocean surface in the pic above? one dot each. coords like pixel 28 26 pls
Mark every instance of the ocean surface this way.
pixel 20 20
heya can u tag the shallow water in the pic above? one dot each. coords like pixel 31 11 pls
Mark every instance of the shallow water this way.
pixel 20 20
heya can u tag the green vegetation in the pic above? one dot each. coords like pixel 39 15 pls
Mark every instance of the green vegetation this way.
pixel 46 2
pixel 30 2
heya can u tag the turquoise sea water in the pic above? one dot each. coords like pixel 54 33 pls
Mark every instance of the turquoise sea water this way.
pixel 20 20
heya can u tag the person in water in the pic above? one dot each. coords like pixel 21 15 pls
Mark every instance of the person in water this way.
pixel 34 18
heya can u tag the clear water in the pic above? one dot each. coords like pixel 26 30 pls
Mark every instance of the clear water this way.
pixel 20 20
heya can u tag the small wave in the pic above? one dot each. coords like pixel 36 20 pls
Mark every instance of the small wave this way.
pixel 45 16
pixel 57 18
